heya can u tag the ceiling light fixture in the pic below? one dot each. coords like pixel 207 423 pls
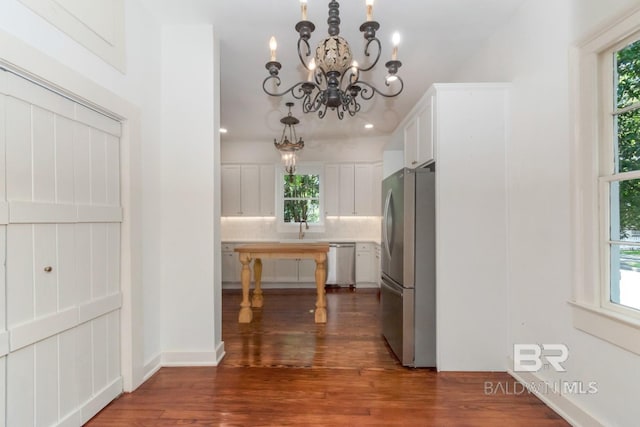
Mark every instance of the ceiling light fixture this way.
pixel 334 79
pixel 289 143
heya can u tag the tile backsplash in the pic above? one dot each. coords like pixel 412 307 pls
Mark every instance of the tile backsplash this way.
pixel 364 228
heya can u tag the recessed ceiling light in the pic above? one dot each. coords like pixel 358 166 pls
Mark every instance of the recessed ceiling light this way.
pixel 223 130
pixel 368 126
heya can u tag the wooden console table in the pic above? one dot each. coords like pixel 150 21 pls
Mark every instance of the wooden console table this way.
pixel 257 251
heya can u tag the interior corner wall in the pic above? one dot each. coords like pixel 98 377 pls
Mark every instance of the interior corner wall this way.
pixel 532 52
pixel 187 182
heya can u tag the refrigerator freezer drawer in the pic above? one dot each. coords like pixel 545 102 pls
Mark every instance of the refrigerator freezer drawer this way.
pixel 398 320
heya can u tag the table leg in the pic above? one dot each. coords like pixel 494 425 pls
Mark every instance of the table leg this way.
pixel 257 299
pixel 245 276
pixel 321 275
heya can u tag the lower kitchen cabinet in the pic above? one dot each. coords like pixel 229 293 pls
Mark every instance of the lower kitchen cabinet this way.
pixel 286 270
pixel 366 271
pixel 306 271
pixel 273 270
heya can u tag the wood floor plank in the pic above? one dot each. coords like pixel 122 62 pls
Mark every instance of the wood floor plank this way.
pixel 283 369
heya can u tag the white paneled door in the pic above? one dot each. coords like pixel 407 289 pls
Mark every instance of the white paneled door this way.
pixel 60 218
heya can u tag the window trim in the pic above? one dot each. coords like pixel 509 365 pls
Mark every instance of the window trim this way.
pixel 590 83
pixel 301 168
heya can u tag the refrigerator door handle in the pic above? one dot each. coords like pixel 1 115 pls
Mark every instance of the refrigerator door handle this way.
pixel 388 217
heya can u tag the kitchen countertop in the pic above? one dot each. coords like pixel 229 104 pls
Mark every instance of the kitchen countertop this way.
pixel 310 240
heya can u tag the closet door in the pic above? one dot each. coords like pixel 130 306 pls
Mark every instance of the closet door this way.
pixel 62 256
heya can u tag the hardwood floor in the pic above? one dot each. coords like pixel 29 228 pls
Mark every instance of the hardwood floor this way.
pixel 283 369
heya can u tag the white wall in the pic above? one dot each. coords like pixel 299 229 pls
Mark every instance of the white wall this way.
pixel 182 144
pixel 139 86
pixel 187 213
pixel 531 51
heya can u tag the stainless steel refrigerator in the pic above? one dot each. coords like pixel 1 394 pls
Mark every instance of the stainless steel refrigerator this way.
pixel 408 287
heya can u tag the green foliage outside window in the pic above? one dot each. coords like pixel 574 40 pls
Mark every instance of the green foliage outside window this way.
pixel 627 156
pixel 302 198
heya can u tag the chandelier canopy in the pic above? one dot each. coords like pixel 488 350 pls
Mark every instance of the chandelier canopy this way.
pixel 289 143
pixel 334 80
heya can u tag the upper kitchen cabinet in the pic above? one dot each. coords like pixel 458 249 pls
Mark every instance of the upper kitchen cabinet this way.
pixel 248 190
pixel 418 130
pixel 352 189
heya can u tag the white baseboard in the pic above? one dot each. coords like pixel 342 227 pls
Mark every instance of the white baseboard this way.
pixel 101 399
pixel 151 367
pixel 567 409
pixel 194 358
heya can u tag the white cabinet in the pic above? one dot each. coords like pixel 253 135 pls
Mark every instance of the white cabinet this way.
pixel 286 270
pixel 230 177
pixel 267 190
pixel 248 190
pixel 349 189
pixel 231 266
pixel 418 130
pixel 376 189
pixel 365 264
pixel 331 189
pixel 273 270
pixel 230 263
pixel 363 187
pixel 346 193
pixel 471 183
pixel 59 258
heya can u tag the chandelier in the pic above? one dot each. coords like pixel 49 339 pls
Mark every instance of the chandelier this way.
pixel 289 143
pixel 334 80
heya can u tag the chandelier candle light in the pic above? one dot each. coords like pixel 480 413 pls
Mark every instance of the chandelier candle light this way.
pixel 289 143
pixel 334 79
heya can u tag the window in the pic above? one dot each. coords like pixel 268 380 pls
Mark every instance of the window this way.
pixel 606 184
pixel 301 201
pixel 620 178
pixel 299 198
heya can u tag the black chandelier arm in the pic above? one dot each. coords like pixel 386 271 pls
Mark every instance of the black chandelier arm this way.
pixel 368 90
pixel 367 53
pixel 350 102
pixel 323 112
pixel 313 98
pixel 290 90
pixel 300 55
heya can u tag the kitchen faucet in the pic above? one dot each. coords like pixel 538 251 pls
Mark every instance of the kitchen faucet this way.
pixel 301 233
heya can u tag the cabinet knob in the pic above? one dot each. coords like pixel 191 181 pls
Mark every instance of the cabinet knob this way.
pixel 414 162
pixel 48 269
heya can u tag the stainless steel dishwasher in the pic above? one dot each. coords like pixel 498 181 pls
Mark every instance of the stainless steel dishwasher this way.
pixel 341 264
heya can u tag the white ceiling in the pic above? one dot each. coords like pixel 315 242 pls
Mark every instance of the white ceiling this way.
pixel 437 36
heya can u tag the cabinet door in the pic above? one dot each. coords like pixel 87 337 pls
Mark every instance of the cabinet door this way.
pixel 230 177
pixel 267 190
pixel 376 189
pixel 411 143
pixel 363 197
pixel 346 205
pixel 364 267
pixel 331 190
pixel 250 190
pixel 230 267
pixel 307 271
pixel 268 270
pixel 377 260
pixel 425 132
pixel 287 270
